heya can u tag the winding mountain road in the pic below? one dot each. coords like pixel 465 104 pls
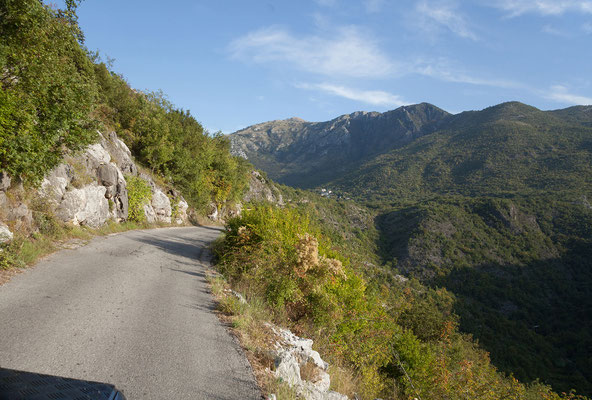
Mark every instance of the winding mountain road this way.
pixel 131 309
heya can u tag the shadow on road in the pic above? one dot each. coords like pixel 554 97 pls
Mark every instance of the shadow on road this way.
pixel 21 385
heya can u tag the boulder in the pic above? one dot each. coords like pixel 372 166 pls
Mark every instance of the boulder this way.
pixel 161 206
pixel 181 216
pixel 294 355
pixel 21 216
pixel 4 181
pixel 213 215
pixel 55 183
pixel 85 206
pixel 5 233
pixel 121 202
pixel 107 174
pixel 120 153
pixel 150 214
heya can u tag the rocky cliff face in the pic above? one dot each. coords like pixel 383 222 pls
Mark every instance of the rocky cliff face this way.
pixel 307 154
pixel 87 189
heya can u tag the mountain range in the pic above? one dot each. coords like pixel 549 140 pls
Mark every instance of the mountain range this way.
pixel 421 149
pixel 493 205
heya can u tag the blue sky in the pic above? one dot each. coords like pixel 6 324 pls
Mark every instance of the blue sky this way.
pixel 235 63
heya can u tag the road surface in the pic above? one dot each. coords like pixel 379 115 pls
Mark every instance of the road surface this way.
pixel 132 310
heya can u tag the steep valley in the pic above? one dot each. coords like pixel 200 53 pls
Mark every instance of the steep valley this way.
pixel 492 205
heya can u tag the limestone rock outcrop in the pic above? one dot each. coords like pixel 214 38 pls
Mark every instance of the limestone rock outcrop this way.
pixel 302 367
pixel 5 233
pixel 261 190
pixel 90 189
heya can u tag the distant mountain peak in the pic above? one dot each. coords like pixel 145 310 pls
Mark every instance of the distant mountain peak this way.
pixel 295 119
pixel 301 153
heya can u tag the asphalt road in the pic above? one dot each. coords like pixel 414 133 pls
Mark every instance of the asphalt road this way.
pixel 132 310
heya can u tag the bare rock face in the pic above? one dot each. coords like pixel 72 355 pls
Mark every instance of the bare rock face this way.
pixel 4 205
pixel 302 367
pixel 150 214
pixel 4 181
pixel 90 188
pixel 79 179
pixel 261 190
pixel 21 216
pixel 120 153
pixel 55 183
pixel 181 216
pixel 5 233
pixel 162 206
pixel 86 206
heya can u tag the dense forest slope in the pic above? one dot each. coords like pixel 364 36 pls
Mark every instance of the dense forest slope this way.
pixel 494 206
pixel 505 149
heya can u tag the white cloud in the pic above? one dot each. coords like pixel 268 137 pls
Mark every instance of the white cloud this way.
pixel 543 7
pixel 374 97
pixel 435 16
pixel 444 71
pixel 348 52
pixel 561 94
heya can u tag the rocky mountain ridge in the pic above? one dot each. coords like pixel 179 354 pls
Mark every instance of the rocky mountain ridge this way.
pixel 306 154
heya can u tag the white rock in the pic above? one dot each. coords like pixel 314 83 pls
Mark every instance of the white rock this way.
pixel 85 206
pixel 99 153
pixel 55 183
pixel 291 354
pixel 162 206
pixel 5 233
pixel 150 214
pixel 182 207
pixel 214 214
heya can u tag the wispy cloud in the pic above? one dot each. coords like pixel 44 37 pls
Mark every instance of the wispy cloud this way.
pixel 348 52
pixel 443 70
pixel 516 8
pixel 561 94
pixel 433 17
pixel 551 30
pixel 587 28
pixel 374 97
pixel 373 6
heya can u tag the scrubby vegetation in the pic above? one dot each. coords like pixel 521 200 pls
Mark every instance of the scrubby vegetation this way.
pixel 398 338
pixel 494 207
pixel 56 94
pixel 139 195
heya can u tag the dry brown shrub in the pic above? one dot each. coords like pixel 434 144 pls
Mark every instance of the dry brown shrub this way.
pixel 333 266
pixel 309 371
pixel 307 251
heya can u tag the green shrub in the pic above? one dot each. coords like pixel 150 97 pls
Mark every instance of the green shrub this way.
pixel 139 195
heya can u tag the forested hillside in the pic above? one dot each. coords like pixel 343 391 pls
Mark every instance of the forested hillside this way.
pixel 494 206
pixel 56 94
